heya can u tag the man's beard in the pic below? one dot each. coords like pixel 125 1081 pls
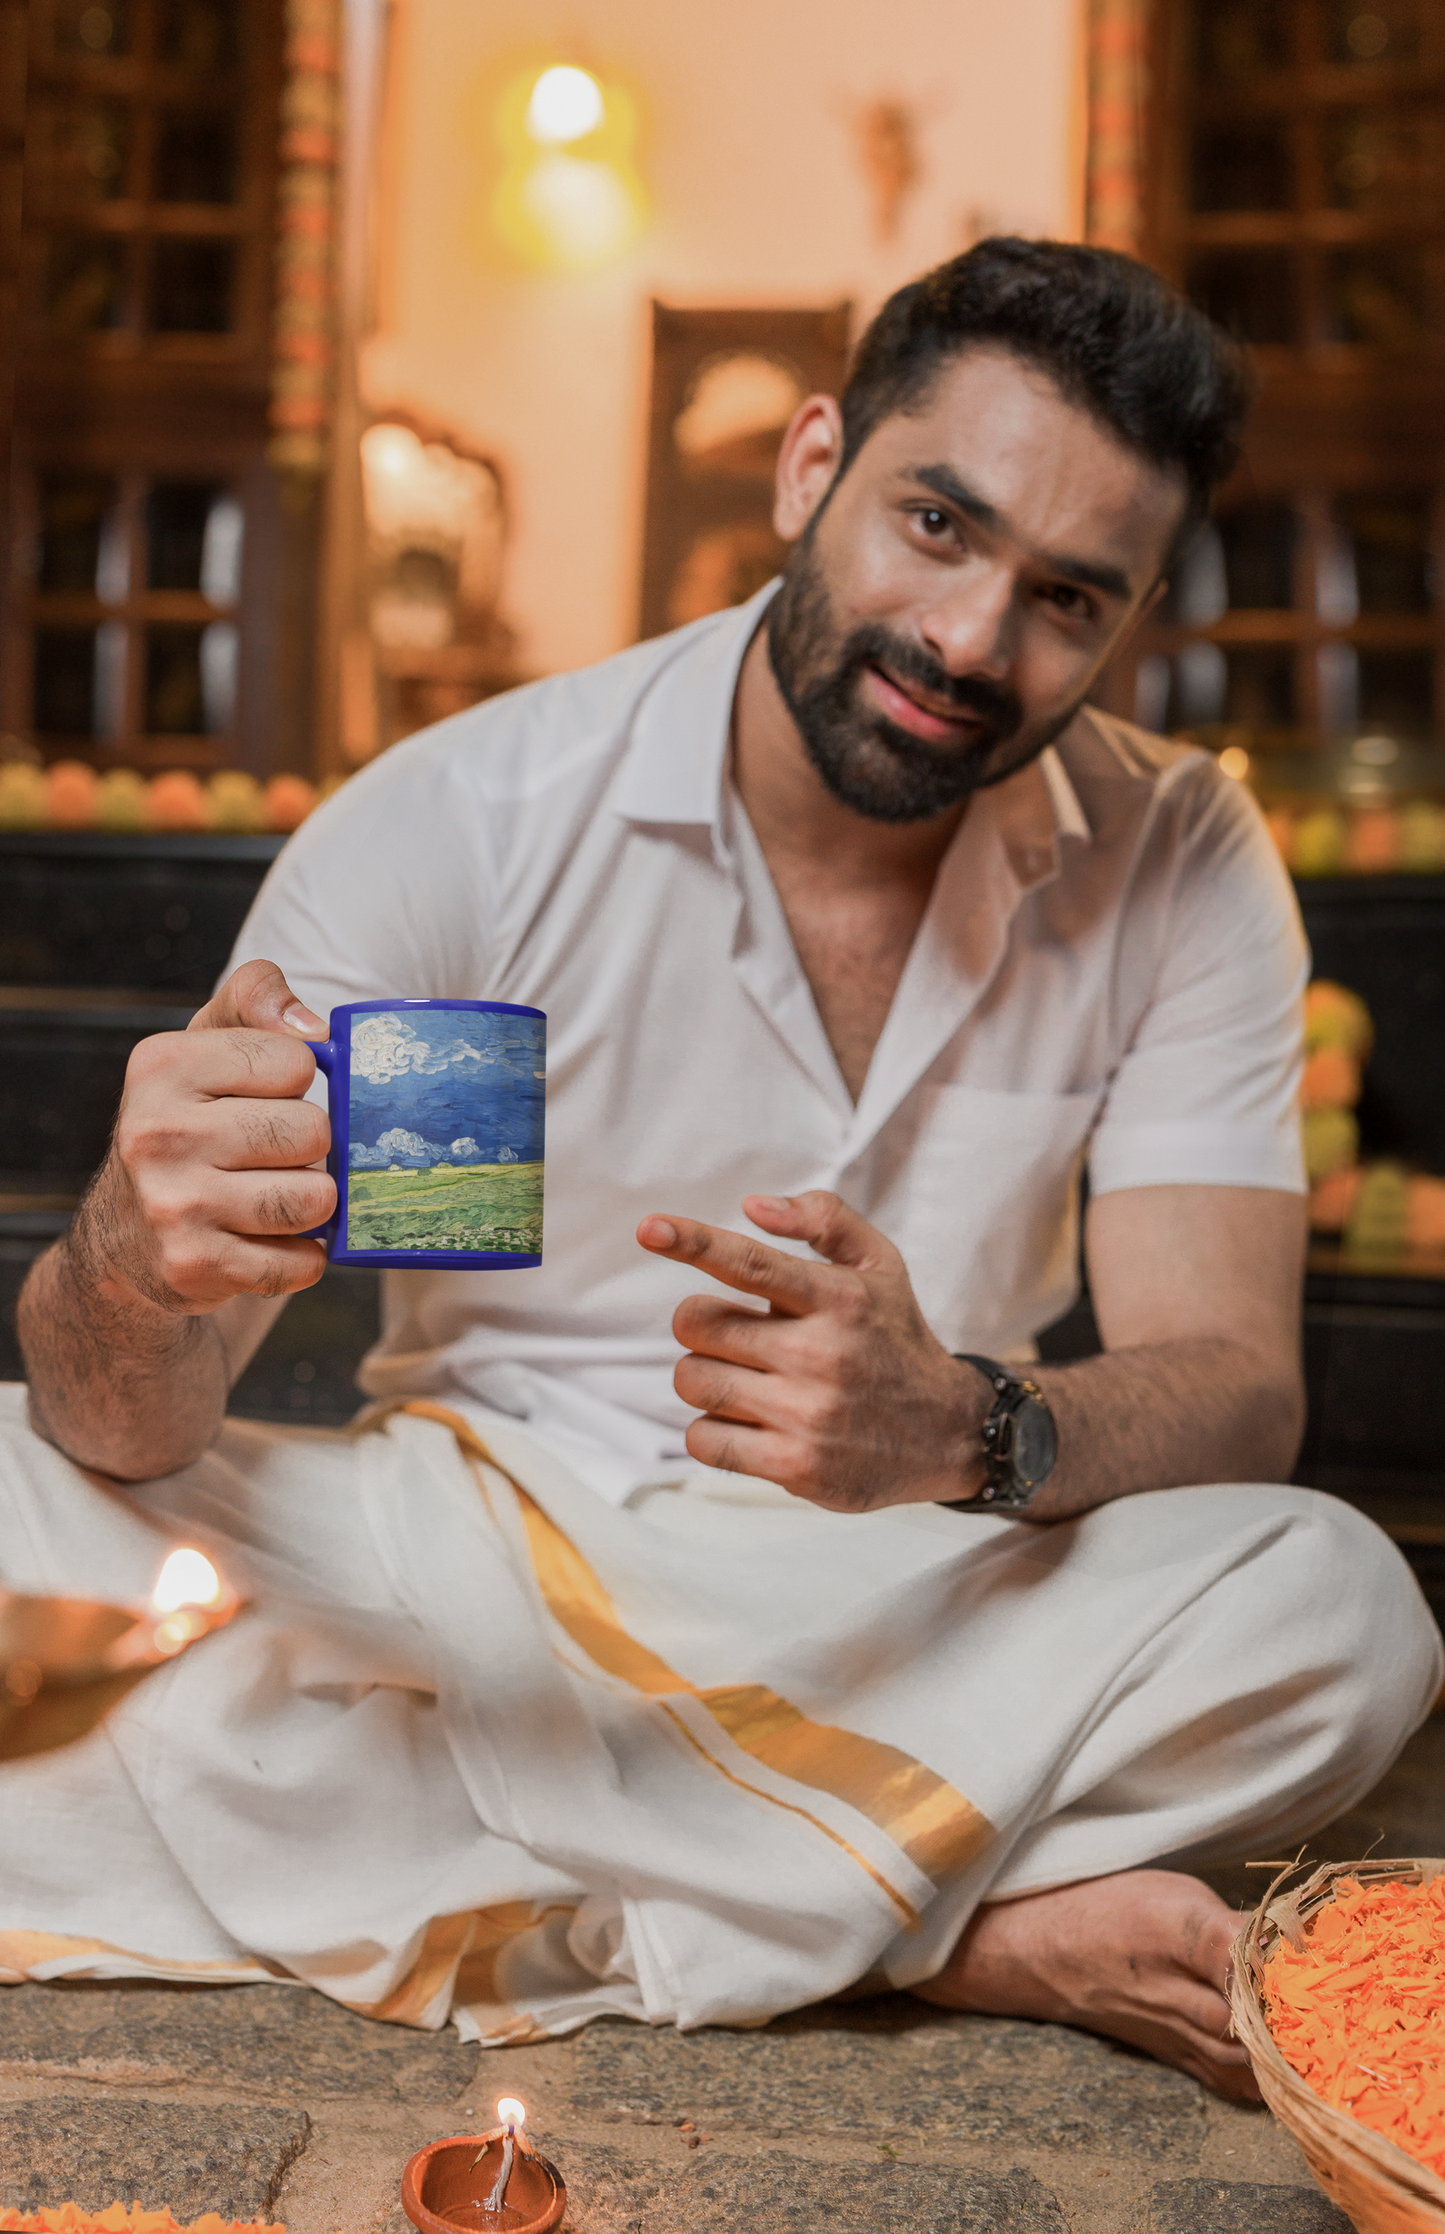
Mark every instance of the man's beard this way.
pixel 867 761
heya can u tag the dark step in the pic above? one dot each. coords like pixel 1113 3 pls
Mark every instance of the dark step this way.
pixel 63 1056
pixel 1374 1373
pixel 1385 937
pixel 95 908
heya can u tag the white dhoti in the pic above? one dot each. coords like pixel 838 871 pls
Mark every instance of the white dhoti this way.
pixel 484 1747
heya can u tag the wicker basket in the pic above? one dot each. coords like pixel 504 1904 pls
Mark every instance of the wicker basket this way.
pixel 1378 2186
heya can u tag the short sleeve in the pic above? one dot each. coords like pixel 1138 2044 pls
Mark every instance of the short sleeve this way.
pixel 384 890
pixel 1207 1093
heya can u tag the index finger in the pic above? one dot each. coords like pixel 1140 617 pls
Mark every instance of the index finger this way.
pixel 788 1283
pixel 212 1065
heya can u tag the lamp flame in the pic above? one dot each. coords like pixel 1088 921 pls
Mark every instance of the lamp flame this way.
pixel 189 1600
pixel 186 1579
pixel 510 2111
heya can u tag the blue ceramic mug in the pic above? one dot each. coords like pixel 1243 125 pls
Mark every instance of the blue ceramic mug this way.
pixel 436 1134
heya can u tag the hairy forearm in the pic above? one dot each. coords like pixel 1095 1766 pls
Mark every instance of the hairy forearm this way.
pixel 117 1382
pixel 193 1232
pixel 1165 1415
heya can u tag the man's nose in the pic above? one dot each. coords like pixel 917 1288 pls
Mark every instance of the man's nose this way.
pixel 971 629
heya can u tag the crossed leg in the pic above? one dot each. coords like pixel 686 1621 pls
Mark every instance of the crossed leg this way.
pixel 1282 1694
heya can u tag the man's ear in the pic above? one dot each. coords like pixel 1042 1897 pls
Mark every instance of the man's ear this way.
pixel 807 464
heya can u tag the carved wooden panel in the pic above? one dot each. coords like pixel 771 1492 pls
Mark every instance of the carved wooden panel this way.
pixel 147 559
pixel 724 385
pixel 1297 192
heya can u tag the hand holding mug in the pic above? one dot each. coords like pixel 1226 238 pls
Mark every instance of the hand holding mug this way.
pixel 206 1192
pixel 209 1191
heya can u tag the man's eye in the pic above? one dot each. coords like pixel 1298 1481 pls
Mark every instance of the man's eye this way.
pixel 932 521
pixel 1069 600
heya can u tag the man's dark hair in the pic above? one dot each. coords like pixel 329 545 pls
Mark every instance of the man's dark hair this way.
pixel 1114 337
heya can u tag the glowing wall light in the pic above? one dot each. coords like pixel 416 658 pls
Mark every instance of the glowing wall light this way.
pixel 570 197
pixel 564 104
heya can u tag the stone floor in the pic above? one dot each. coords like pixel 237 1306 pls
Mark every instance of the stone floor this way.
pixel 265 2101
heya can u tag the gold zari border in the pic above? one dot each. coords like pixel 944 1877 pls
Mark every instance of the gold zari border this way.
pixel 932 1823
pixel 23 1951
pixel 457 1967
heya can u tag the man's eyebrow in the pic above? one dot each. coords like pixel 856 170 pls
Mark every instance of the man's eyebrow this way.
pixel 944 482
pixel 1111 581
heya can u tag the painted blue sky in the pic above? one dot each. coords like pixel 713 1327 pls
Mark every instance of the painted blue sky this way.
pixel 445 1086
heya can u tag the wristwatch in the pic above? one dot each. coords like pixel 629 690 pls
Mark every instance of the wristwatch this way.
pixel 1020 1442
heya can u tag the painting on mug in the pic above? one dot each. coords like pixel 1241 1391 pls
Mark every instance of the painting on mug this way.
pixel 446 1131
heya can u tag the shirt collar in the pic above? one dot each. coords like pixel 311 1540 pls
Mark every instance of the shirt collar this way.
pixel 1031 812
pixel 677 759
pixel 676 765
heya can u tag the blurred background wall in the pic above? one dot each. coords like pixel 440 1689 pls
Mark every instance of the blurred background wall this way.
pixel 751 141
pixel 374 355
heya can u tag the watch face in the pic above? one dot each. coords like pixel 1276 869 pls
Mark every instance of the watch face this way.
pixel 1035 1441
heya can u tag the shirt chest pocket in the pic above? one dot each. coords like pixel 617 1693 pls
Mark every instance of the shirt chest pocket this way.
pixel 987 1209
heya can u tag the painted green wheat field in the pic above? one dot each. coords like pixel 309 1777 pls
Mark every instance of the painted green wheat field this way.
pixel 447 1206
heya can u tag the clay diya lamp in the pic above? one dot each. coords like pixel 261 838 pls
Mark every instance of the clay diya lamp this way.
pixel 65 1662
pixel 495 2182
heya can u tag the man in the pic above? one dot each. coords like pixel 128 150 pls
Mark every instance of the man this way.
pixel 683 1688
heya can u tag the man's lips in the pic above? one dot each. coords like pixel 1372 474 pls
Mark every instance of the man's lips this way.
pixel 917 716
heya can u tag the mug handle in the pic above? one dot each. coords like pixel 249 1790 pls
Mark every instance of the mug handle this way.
pixel 328 1055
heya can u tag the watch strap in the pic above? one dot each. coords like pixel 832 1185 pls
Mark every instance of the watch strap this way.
pixel 1003 1491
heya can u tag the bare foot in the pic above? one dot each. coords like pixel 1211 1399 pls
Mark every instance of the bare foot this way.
pixel 1142 1957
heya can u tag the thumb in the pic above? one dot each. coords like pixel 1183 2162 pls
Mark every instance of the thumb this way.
pixel 826 1223
pixel 257 997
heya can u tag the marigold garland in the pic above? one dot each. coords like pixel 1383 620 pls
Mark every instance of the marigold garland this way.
pixel 1359 2010
pixel 1117 51
pixel 306 215
pixel 68 2218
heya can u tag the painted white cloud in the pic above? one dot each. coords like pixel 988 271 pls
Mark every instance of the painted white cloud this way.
pixel 399 1149
pixel 399 1142
pixel 395 1146
pixel 386 1045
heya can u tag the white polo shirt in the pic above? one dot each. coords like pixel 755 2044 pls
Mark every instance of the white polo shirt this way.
pixel 1109 970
